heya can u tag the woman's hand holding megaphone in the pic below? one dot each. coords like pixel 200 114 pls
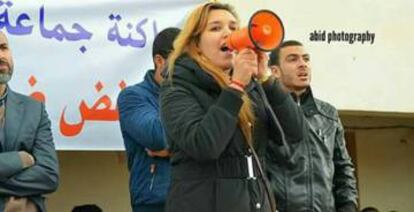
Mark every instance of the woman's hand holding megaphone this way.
pixel 245 66
pixel 262 70
pixel 249 63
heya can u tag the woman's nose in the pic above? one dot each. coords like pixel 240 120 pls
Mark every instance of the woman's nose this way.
pixel 226 32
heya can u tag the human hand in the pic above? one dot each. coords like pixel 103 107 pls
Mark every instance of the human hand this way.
pixel 27 159
pixel 15 204
pixel 245 66
pixel 161 153
pixel 263 70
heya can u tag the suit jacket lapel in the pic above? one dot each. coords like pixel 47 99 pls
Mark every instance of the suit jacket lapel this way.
pixel 14 115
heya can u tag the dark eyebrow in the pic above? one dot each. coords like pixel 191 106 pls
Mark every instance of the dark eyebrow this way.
pixel 298 55
pixel 292 55
pixel 213 22
pixel 219 22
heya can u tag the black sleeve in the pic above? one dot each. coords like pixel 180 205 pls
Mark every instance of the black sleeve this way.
pixel 349 207
pixel 286 110
pixel 201 133
pixel 344 181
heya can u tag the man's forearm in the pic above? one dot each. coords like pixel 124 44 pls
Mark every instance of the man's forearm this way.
pixel 10 164
pixel 32 181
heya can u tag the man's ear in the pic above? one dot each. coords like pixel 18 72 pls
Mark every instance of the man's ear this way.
pixel 276 71
pixel 159 61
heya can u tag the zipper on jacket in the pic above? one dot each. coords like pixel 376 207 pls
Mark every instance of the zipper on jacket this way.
pixel 152 171
pixel 298 100
pixel 310 176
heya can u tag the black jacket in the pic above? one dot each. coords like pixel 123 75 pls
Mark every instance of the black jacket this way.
pixel 209 165
pixel 320 174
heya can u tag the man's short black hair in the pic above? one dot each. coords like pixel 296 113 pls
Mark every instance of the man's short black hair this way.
pixel 370 209
pixel 274 56
pixel 163 42
pixel 87 208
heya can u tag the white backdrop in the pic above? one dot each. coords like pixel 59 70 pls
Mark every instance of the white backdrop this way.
pixel 81 68
pixel 79 55
pixel 358 76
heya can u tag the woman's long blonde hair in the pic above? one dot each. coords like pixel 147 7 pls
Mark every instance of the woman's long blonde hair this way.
pixel 187 42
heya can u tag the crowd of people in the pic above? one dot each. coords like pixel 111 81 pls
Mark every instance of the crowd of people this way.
pixel 208 129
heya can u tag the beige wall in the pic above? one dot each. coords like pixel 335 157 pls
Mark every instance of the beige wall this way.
pixel 385 171
pixel 91 177
pixel 385 160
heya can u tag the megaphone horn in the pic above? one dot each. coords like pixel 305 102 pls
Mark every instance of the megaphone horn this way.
pixel 264 32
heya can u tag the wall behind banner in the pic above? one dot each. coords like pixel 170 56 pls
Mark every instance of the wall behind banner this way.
pixel 386 169
pixel 384 158
pixel 365 76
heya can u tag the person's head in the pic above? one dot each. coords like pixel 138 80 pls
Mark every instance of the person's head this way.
pixel 290 62
pixel 203 38
pixel 161 48
pixel 87 208
pixel 6 60
pixel 370 209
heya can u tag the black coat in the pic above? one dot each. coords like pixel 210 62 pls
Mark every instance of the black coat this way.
pixel 209 165
pixel 320 175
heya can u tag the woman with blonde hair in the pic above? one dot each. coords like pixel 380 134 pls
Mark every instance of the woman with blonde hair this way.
pixel 217 124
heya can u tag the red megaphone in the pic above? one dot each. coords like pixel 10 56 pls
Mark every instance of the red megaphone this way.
pixel 264 32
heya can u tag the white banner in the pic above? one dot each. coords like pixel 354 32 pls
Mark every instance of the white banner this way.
pixel 76 56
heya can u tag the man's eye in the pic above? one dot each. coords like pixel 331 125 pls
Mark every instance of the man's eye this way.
pixel 292 59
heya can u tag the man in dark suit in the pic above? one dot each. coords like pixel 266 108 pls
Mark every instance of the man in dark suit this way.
pixel 28 161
